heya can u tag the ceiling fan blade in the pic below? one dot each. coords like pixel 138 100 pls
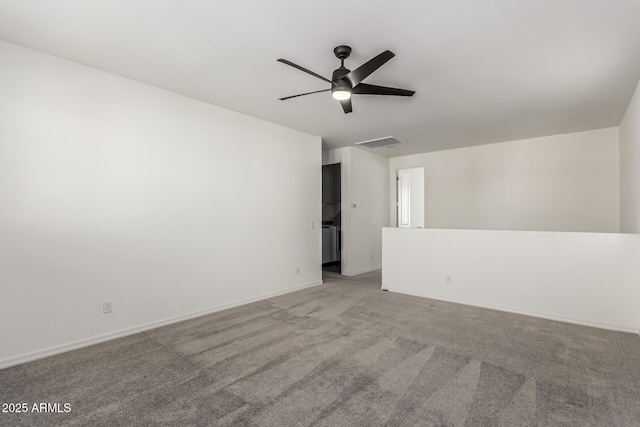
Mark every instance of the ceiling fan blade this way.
pixel 365 89
pixel 284 61
pixel 303 94
pixel 360 73
pixel 346 105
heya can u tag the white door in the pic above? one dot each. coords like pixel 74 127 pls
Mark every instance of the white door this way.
pixel 404 198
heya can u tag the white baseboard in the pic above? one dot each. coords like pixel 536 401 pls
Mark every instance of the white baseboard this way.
pixel 542 315
pixel 28 357
pixel 366 270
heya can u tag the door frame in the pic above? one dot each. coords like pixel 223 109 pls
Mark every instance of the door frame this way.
pixel 343 219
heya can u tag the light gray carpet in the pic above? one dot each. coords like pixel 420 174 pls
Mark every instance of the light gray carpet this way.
pixel 342 354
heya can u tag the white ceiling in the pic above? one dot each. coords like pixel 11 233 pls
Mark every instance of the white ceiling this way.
pixel 484 71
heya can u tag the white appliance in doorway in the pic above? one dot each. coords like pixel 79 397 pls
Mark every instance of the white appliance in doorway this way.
pixel 330 243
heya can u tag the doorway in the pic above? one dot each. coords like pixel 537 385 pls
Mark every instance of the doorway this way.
pixel 331 219
pixel 410 198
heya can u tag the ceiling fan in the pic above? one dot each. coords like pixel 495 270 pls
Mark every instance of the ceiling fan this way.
pixel 345 82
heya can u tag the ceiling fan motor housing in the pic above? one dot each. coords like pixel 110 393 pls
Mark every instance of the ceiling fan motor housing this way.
pixel 340 84
pixel 339 73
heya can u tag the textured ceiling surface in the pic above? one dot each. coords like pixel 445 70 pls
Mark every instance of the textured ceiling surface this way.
pixel 484 71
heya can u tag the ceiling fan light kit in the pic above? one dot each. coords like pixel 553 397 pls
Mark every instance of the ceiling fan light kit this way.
pixel 345 82
pixel 341 94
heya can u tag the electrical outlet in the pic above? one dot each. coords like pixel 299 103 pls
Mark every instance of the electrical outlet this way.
pixel 373 223
pixel 313 225
pixel 448 278
pixel 297 270
pixel 107 306
pixel 370 256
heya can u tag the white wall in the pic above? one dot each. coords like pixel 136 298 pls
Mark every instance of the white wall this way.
pixel 369 174
pixel 364 183
pixel 112 189
pixel 586 278
pixel 630 167
pixel 554 183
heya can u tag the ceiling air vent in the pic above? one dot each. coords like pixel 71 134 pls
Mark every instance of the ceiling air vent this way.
pixel 380 142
